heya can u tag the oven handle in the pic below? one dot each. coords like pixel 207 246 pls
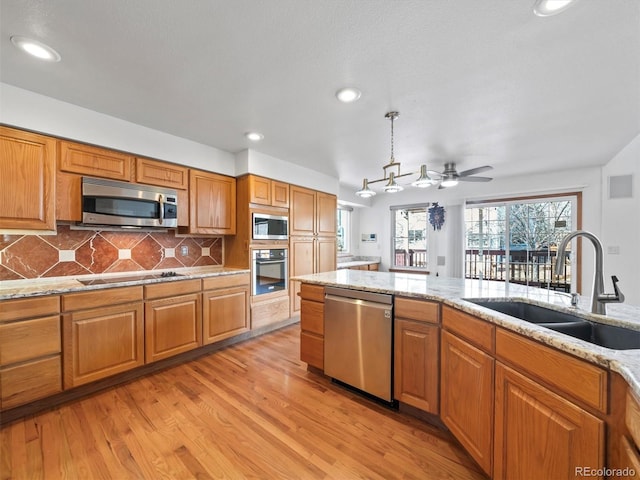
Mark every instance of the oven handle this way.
pixel 265 262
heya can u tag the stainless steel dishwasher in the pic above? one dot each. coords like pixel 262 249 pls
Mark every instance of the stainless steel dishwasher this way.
pixel 358 337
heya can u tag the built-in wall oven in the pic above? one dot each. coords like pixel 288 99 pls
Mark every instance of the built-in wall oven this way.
pixel 269 270
pixel 269 227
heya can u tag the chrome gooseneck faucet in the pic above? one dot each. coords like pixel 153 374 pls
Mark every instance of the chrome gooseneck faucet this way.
pixel 599 299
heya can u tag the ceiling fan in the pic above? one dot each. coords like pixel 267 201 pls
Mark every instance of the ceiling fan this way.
pixel 450 176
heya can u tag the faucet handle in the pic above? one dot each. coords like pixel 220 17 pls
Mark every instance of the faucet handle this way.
pixel 616 297
pixel 616 291
pixel 575 298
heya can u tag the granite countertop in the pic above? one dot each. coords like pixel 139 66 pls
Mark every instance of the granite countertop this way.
pixel 357 261
pixel 453 291
pixel 12 289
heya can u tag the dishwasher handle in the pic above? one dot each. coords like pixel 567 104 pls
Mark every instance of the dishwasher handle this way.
pixel 359 302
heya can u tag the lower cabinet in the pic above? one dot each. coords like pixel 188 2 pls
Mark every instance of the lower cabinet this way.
pixel 416 348
pixel 466 397
pixel 102 334
pixel 101 342
pixel 539 434
pixel 30 346
pixel 172 324
pixel 225 311
pixel 312 325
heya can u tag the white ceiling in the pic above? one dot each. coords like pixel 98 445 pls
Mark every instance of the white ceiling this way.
pixel 478 82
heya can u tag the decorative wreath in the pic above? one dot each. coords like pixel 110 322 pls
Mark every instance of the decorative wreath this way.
pixel 436 216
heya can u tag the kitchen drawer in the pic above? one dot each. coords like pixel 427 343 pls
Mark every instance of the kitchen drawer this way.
pixel 312 316
pixel 582 380
pixel 171 289
pixel 420 310
pixel 472 329
pixel 101 298
pixel 632 417
pixel 29 308
pixel 28 339
pixel 312 292
pixel 30 381
pixel 312 349
pixel 224 281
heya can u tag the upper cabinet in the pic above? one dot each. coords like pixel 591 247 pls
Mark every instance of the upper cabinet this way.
pixel 28 178
pixel 153 172
pixel 312 213
pixel 212 203
pixel 94 161
pixel 264 191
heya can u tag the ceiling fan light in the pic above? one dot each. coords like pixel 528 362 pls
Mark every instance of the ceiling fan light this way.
pixel 449 182
pixel 365 191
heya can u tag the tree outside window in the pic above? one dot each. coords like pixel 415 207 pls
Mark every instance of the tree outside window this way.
pixel 343 229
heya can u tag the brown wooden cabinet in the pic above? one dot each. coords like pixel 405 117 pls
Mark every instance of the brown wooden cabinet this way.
pixel 225 307
pixel 416 353
pixel 30 350
pixel 265 191
pixel 94 161
pixel 172 319
pixel 539 434
pixel 103 334
pixel 310 255
pixel 312 213
pixel 28 188
pixel 212 203
pixel 312 325
pixel 163 174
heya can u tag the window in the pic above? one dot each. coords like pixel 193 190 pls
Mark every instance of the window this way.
pixel 516 240
pixel 343 228
pixel 409 237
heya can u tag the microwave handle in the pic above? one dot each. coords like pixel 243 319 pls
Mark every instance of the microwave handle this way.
pixel 161 208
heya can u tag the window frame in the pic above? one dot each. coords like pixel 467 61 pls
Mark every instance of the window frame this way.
pixel 348 235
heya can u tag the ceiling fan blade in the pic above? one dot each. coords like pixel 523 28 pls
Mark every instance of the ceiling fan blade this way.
pixel 474 179
pixel 433 173
pixel 473 171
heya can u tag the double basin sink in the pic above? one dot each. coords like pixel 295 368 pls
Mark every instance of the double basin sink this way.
pixel 609 336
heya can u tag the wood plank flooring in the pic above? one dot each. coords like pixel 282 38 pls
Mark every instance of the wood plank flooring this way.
pixel 249 411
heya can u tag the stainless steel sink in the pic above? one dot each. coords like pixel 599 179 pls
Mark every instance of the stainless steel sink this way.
pixel 609 336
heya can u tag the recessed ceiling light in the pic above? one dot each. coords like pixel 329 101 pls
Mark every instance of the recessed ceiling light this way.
pixel 546 8
pixel 348 94
pixel 35 48
pixel 254 136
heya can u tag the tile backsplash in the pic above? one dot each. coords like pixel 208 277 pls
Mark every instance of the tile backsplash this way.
pixel 83 252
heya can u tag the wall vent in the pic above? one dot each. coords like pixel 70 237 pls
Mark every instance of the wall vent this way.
pixel 621 186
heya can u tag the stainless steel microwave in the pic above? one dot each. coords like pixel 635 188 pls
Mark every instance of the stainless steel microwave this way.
pixel 128 205
pixel 270 227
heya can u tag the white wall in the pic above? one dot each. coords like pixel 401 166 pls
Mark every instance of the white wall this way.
pixel 621 225
pixel 447 242
pixel 25 109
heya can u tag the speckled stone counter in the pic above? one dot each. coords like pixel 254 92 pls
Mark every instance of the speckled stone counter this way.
pixel 358 261
pixel 12 289
pixel 454 291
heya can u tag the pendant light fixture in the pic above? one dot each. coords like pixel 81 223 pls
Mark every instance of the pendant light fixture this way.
pixel 392 172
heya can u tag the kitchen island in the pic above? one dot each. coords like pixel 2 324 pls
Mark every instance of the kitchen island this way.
pixel 503 386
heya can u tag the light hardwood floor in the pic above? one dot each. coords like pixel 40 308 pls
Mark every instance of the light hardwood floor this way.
pixel 249 411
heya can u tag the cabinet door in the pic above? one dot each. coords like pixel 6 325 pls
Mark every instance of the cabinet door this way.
pixel 163 174
pixel 27 195
pixel 101 342
pixel 28 381
pixel 466 397
pixel 326 219
pixel 416 364
pixel 325 254
pixel 94 161
pixel 259 190
pixel 172 326
pixel 225 313
pixel 539 434
pixel 302 219
pixel 301 262
pixel 279 194
pixel 212 203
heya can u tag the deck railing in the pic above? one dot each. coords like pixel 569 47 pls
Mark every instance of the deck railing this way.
pixel 411 258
